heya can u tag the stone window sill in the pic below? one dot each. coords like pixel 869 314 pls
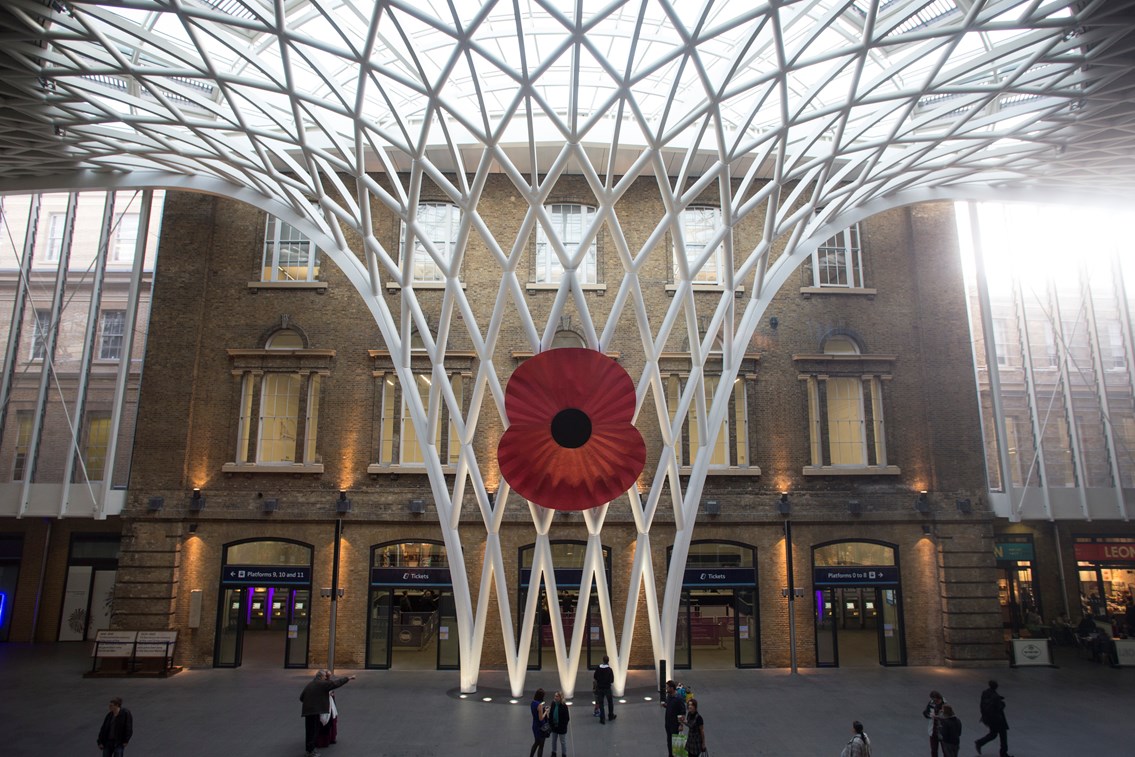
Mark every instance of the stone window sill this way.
pixel 272 468
pixel 318 286
pixel 842 470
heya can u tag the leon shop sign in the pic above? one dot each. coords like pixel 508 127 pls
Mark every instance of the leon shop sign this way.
pixel 1106 552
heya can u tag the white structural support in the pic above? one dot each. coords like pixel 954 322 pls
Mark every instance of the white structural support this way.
pixel 801 116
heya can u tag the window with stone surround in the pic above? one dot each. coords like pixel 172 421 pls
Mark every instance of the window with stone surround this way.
pixel 23 441
pixel 398 445
pixel 729 450
pixel 278 416
pixel 845 396
pixel 112 329
pixel 95 442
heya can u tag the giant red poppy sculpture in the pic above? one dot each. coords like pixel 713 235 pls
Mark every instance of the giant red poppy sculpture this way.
pixel 570 443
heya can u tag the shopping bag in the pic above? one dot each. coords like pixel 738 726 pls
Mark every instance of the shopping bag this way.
pixel 678 745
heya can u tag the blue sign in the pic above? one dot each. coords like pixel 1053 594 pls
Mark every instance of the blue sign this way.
pixel 410 577
pixel 856 575
pixel 719 577
pixel 264 575
pixel 1013 550
pixel 565 578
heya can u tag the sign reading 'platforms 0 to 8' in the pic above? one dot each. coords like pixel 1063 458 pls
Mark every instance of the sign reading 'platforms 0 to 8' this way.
pixel 856 575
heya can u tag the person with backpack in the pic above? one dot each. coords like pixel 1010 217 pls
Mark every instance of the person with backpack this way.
pixel 859 745
pixel 993 715
pixel 604 679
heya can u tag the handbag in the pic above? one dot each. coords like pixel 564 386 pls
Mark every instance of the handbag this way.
pixel 545 728
pixel 678 745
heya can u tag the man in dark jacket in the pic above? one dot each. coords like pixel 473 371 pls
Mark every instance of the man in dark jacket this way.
pixel 604 680
pixel 675 708
pixel 993 715
pixel 117 729
pixel 316 700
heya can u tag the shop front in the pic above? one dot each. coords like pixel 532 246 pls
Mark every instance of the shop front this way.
pixel 264 608
pixel 857 592
pixel 567 556
pixel 1106 568
pixel 88 597
pixel 412 623
pixel 718 623
pixel 1017 589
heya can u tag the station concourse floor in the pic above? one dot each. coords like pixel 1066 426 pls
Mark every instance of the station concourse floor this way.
pixel 51 709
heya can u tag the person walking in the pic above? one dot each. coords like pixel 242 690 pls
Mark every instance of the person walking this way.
pixel 695 729
pixel 993 715
pixel 559 717
pixel 539 720
pixel 950 726
pixel 675 706
pixel 315 700
pixel 933 712
pixel 117 729
pixel 604 679
pixel 859 745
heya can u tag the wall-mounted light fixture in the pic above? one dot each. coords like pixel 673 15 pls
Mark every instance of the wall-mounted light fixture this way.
pixel 156 503
pixel 854 507
pixel 197 500
pixel 269 505
pixel 926 529
pixel 192 528
pixel 921 503
pixel 964 506
pixel 712 507
pixel 773 322
pixel 492 499
pixel 782 504
pixel 342 505
pixel 417 506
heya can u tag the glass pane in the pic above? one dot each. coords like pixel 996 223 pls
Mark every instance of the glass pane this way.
pixel 682 637
pixel 845 421
pixel 267 552
pixel 279 412
pixel 9 575
pixel 448 641
pixel 378 638
pixel 892 627
pixel 748 640
pixel 298 622
pixel 825 627
pixel 854 553
pixel 595 640
pixel 229 629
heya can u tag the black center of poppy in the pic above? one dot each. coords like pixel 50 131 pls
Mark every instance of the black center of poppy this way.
pixel 571 428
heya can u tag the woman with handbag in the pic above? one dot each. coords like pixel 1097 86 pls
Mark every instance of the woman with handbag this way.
pixel 695 730
pixel 541 728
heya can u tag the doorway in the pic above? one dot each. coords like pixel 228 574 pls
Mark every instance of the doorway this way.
pixel 717 629
pixel 412 616
pixel 264 626
pixel 264 605
pixel 857 626
pixel 857 600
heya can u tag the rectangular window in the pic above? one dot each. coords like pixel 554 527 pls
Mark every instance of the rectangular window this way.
pixel 288 254
pixel 53 242
pixel 402 448
pixel 1116 356
pixel 94 449
pixel 312 425
pixel 846 439
pixel 568 225
pixel 439 224
pixel 39 334
pixel 23 440
pixel 279 412
pixel 730 448
pixel 112 329
pixel 698 227
pixel 838 262
pixel 125 239
pixel 1005 350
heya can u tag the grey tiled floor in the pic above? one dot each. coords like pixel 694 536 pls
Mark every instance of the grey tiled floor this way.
pixel 50 709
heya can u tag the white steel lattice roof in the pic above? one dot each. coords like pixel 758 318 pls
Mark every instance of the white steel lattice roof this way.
pixel 810 115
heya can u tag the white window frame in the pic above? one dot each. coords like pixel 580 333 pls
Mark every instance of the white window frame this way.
pixel 838 262
pixel 53 241
pixel 700 223
pixel 24 425
pixel 112 332
pixel 440 223
pixel 396 414
pixel 125 239
pixel 724 455
pixel 41 325
pixel 569 221
pixel 279 235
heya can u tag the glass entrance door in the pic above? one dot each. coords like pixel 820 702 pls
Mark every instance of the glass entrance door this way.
pixel 379 626
pixel 262 625
pixel 858 626
pixel 717 628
